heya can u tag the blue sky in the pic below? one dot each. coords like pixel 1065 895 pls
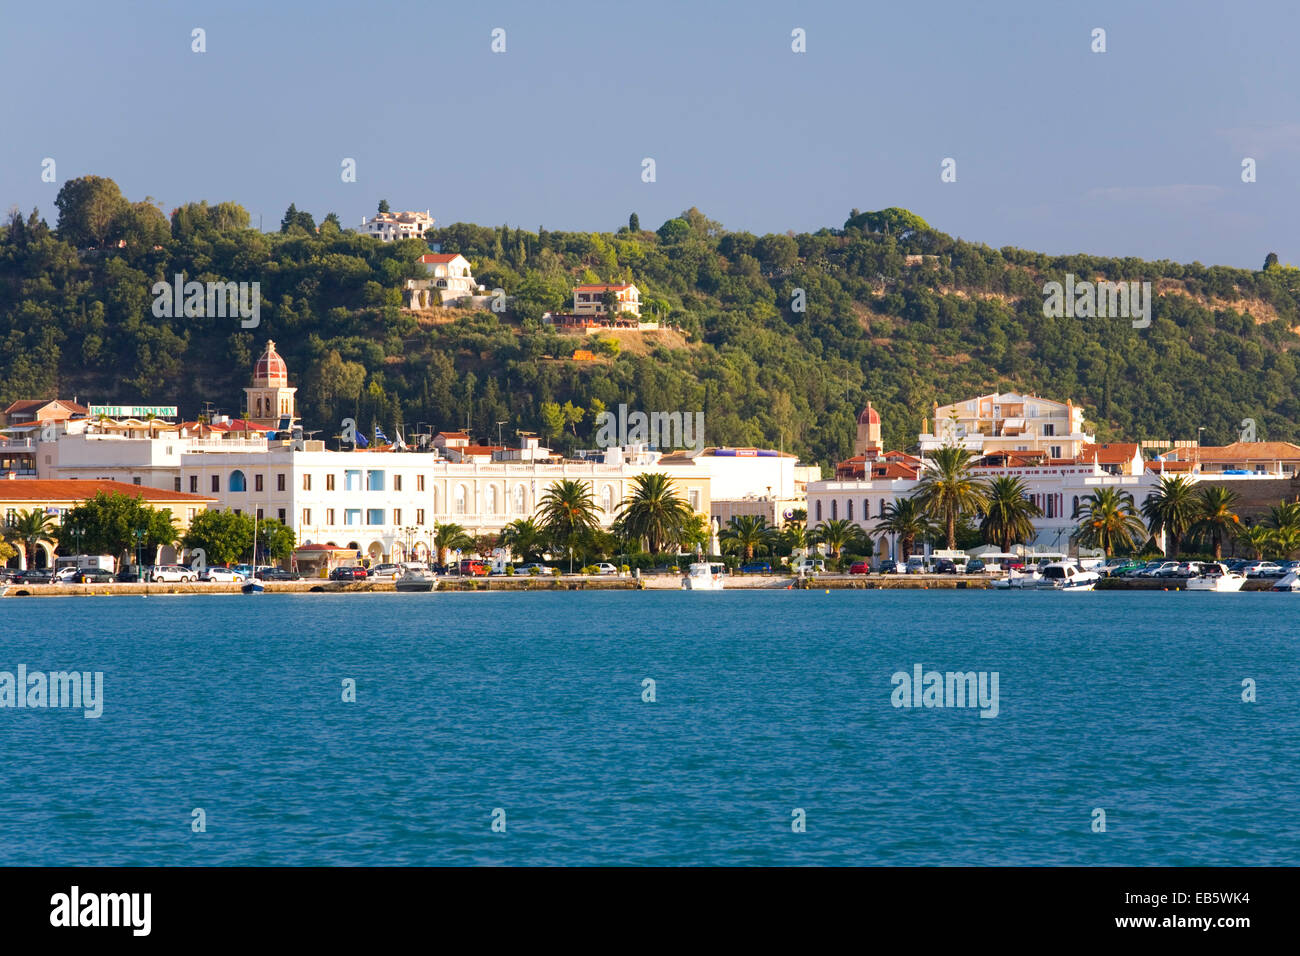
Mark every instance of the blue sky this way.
pixel 1135 151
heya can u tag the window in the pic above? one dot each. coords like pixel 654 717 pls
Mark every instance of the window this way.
pixel 279 482
pixel 329 482
pixel 176 485
pixel 521 499
pixel 374 516
pixel 260 516
pixel 352 480
pixel 397 516
pixel 135 480
pixel 374 481
pixel 397 482
pixel 257 482
pixel 693 499
pixel 280 515
pixel 819 511
pixel 237 481
pixel 1075 513
pixel 351 516
pixel 607 498
pixel 419 482
pixel 329 516
pixel 194 484
pixel 849 510
pixel 491 498
pixel 866 509
pixel 306 516
pixel 835 509
pixel 1049 430
pixel 1055 451
pixel 189 514
pixel 216 483
pixel 460 500
pixel 306 482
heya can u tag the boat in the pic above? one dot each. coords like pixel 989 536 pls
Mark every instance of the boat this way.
pixel 704 576
pixel 1067 576
pixel 1288 582
pixel 415 577
pixel 253 586
pixel 1017 580
pixel 1216 577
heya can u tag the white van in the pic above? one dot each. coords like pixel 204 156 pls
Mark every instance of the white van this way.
pixel 808 566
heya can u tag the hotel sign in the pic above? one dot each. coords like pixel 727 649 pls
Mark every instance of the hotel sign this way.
pixel 132 411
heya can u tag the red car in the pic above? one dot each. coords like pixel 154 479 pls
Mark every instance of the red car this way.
pixel 474 568
pixel 860 568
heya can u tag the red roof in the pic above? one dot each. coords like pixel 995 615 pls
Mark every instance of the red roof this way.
pixel 79 489
pixel 602 288
pixel 1112 453
pixel 869 416
pixel 441 258
pixel 36 404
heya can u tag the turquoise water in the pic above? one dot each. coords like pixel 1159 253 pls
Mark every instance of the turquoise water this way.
pixel 765 702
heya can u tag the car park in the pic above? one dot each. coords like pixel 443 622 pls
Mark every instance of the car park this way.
pixel 1263 569
pixel 888 566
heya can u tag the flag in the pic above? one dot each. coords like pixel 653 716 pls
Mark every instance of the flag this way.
pixel 380 437
pixel 361 441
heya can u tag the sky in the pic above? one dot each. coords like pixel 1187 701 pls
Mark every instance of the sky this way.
pixel 1135 151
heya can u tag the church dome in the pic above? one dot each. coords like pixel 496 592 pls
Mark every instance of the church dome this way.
pixel 270 370
pixel 869 416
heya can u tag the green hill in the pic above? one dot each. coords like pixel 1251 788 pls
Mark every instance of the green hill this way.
pixel 895 312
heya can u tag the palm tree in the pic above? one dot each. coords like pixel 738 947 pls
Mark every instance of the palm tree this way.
pixel 949 490
pixel 746 533
pixel 30 528
pixel 1108 519
pixel 837 534
pixel 1171 508
pixel 524 537
pixel 568 513
pixel 1007 517
pixel 795 536
pixel 906 519
pixel 1257 539
pixel 450 537
pixel 654 512
pixel 1215 518
pixel 1284 524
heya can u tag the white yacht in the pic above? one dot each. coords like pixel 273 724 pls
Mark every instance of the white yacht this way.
pixel 415 577
pixel 1067 576
pixel 1216 577
pixel 1288 582
pixel 1017 580
pixel 704 576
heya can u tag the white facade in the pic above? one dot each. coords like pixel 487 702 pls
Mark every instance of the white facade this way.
pixel 1009 421
pixel 391 226
pixel 589 299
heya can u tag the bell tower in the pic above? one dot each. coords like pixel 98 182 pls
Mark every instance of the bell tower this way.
pixel 868 440
pixel 270 399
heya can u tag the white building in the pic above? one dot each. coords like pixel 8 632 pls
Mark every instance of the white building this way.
pixel 391 226
pixel 590 299
pixel 450 276
pixel 1008 422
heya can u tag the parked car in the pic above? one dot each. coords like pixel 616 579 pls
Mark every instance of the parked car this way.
pixel 277 574
pixel 1263 569
pixel 34 576
pixel 386 572
pixel 226 575
pixel 756 567
pixel 94 576
pixel 888 566
pixel 944 566
pixel 65 575
pixel 606 568
pixel 474 568
pixel 172 573
pixel 809 566
pixel 530 568
pixel 349 572
pixel 860 567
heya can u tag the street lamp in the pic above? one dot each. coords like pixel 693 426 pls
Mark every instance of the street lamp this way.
pixel 139 535
pixel 499 424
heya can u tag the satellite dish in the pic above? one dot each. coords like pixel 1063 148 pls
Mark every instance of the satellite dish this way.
pixel 788 514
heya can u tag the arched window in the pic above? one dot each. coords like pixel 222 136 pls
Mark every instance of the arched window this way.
pixel 1075 513
pixel 819 510
pixel 521 499
pixel 835 509
pixel 491 496
pixel 866 509
pixel 237 481
pixel 460 499
pixel 849 512
pixel 607 499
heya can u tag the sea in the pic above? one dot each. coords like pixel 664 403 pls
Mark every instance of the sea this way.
pixel 657 728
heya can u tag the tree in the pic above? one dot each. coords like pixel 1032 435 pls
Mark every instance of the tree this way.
pixel 29 529
pixel 1256 539
pixel 1270 261
pixel 746 534
pixel 109 524
pixel 224 536
pixel 1215 519
pixel 1009 514
pixel 654 512
pixel 525 538
pixel 1171 509
pixel 552 417
pixel 906 519
pixel 839 534
pixel 948 490
pixel 568 513
pixel 90 210
pixel 572 416
pixel 296 218
pixel 892 221
pixel 1108 520
pixel 674 231
pixel 634 223
pixel 450 537
pixel 7 552
pixel 383 206
pixel 1284 528
pixel 275 540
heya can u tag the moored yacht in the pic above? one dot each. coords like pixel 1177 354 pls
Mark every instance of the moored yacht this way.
pixel 1216 577
pixel 704 576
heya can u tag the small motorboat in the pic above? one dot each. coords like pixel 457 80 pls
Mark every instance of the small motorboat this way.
pixel 253 586
pixel 704 576
pixel 415 577
pixel 1288 582
pixel 1067 576
pixel 1216 577
pixel 1019 580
